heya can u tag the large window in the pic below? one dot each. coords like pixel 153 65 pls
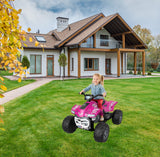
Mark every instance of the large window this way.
pixel 104 40
pixel 35 64
pixel 72 68
pixel 91 64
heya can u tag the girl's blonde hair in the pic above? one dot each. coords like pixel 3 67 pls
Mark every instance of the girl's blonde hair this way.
pixel 101 77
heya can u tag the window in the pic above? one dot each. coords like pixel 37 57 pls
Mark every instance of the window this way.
pixel 40 39
pixel 104 40
pixel 88 43
pixel 72 68
pixel 91 64
pixel 35 64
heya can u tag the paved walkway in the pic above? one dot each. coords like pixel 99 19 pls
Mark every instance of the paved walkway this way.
pixel 10 95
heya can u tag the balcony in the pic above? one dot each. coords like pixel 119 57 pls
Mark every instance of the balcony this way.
pixel 107 44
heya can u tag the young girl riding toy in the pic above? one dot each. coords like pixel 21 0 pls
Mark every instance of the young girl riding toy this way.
pixel 97 88
pixel 94 110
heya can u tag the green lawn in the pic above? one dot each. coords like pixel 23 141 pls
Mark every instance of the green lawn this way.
pixel 33 121
pixel 13 84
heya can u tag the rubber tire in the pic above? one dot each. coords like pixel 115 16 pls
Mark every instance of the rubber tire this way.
pixel 101 132
pixel 69 125
pixel 117 117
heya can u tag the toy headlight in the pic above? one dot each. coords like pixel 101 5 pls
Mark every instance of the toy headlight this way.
pixel 91 115
pixel 73 112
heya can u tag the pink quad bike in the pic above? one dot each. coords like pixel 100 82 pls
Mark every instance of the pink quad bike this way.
pixel 87 114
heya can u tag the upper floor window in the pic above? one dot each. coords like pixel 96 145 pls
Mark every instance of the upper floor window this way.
pixel 88 43
pixel 104 40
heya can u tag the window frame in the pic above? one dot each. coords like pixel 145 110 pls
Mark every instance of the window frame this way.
pixel 35 64
pixel 104 40
pixel 89 69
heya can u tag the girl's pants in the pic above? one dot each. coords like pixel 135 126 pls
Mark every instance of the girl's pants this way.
pixel 99 102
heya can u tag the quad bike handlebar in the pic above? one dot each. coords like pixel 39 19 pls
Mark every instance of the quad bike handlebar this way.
pixel 91 96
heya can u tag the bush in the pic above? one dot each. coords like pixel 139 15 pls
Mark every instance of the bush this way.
pixel 151 70
pixel 149 73
pixel 139 72
pixel 158 69
pixel 130 72
pixel 25 62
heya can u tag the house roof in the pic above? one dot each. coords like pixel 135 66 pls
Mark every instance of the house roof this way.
pixel 74 29
pixel 49 44
pixel 78 32
pixel 115 25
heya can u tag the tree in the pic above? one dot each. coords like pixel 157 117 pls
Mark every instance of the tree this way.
pixel 25 63
pixel 11 35
pixel 62 62
pixel 147 38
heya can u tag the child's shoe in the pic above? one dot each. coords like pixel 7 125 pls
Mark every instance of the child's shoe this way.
pixel 102 119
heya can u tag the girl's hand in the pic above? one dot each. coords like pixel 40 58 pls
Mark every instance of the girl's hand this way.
pixel 104 94
pixel 81 92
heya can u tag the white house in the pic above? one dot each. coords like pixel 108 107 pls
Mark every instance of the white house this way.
pixel 97 44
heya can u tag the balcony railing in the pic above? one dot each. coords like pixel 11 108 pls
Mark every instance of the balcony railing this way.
pixel 110 44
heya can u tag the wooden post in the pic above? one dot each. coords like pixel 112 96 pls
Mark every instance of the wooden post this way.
pixel 143 62
pixel 68 62
pixel 123 40
pixel 121 63
pixel 79 63
pixel 118 63
pixel 94 40
pixel 135 62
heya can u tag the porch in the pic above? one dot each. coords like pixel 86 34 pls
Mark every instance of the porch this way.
pixel 120 58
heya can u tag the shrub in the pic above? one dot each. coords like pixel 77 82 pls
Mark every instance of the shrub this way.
pixel 130 72
pixel 151 70
pixel 149 73
pixel 139 72
pixel 158 69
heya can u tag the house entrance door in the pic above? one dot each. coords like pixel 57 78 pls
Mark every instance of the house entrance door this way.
pixel 50 65
pixel 108 66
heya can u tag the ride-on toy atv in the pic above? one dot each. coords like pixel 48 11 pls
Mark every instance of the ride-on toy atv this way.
pixel 87 114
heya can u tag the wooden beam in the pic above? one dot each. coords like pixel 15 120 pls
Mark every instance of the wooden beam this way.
pixel 68 62
pixel 143 63
pixel 118 63
pixel 119 34
pixel 135 62
pixel 79 63
pixel 94 40
pixel 131 50
pixel 123 40
pixel 98 49
pixel 121 63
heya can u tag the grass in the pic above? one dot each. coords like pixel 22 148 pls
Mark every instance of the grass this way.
pixel 33 121
pixel 13 84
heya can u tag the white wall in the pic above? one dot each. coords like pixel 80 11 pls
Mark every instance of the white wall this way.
pixel 44 61
pixel 74 55
pixel 100 55
pixel 112 41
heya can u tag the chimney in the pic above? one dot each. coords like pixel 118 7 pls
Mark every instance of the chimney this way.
pixel 62 23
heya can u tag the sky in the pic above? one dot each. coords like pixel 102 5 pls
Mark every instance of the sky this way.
pixel 42 14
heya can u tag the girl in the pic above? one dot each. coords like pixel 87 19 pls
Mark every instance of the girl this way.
pixel 97 88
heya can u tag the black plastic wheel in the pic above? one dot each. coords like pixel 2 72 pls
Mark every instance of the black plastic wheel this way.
pixel 69 125
pixel 117 117
pixel 101 132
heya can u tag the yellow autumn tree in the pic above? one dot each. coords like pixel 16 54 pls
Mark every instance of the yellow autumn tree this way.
pixel 11 35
